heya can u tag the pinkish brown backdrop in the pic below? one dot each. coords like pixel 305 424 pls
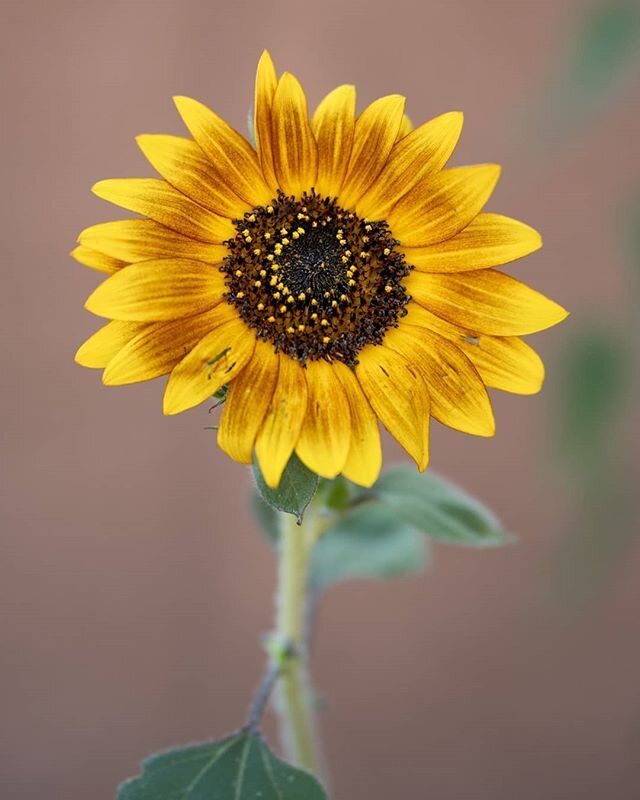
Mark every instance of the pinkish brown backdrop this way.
pixel 135 588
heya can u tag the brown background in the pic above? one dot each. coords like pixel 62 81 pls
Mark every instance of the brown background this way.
pixel 134 586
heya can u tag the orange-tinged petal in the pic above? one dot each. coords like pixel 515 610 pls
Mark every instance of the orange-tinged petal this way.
pixel 333 126
pixel 143 239
pixel 247 403
pixel 183 164
pixel 232 158
pixel 157 349
pixel 158 200
pixel 266 83
pixel 107 342
pixel 364 459
pixel 488 241
pixel 325 437
pixel 485 301
pixel 399 396
pixel 458 396
pixel 441 205
pixel 503 362
pixel 94 259
pixel 423 151
pixel 375 133
pixel 295 153
pixel 213 363
pixel 279 433
pixel 151 291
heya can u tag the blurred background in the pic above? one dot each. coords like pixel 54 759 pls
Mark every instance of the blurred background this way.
pixel 135 587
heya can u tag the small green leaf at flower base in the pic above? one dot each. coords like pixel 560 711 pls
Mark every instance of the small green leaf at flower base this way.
pixel 438 508
pixel 267 517
pixel 370 541
pixel 240 766
pixel 296 490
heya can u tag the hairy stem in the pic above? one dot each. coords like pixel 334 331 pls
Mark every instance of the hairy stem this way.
pixel 294 701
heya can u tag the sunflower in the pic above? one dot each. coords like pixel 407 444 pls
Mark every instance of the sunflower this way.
pixel 333 276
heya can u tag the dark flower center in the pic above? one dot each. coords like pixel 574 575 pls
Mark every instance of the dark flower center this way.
pixel 314 279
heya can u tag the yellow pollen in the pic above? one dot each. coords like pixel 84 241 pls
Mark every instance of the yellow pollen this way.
pixel 301 231
pixel 238 273
pixel 283 309
pixel 270 257
pixel 291 299
pixel 291 330
pixel 344 259
pixel 269 209
pixel 326 295
pixel 302 296
pixel 388 288
pixel 314 302
pixel 263 272
pixel 276 295
pixel 386 251
pixel 334 304
pixel 252 218
pixel 285 241
pixel 267 235
pixel 271 319
pixel 324 322
pixel 257 284
pixel 248 239
pixel 343 242
pixel 280 285
pixel 273 281
pixel 368 228
pixel 325 340
pixel 314 316
pixel 344 298
pixel 257 251
pixel 284 231
pixel 352 282
pixel 301 328
pixel 260 306
pixel 240 295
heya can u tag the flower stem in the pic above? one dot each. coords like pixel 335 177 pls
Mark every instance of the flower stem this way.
pixel 294 699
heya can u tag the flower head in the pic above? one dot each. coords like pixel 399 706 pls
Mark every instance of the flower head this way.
pixel 335 276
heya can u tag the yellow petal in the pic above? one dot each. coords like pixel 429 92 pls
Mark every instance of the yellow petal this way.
pixel 107 342
pixel 333 125
pixel 503 362
pixel 156 199
pixel 157 349
pixel 488 241
pixel 232 158
pixel 441 205
pixel 406 126
pixel 399 396
pixel 295 153
pixel 266 83
pixel 364 459
pixel 421 152
pixel 281 427
pixel 458 396
pixel 247 403
pixel 143 239
pixel 485 301
pixel 184 165
pixel 375 132
pixel 89 257
pixel 213 363
pixel 151 291
pixel 325 437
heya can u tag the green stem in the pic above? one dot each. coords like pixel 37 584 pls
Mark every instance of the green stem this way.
pixel 293 697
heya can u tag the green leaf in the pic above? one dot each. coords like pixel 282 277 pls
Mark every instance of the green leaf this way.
pixel 267 517
pixel 438 508
pixel 369 541
pixel 296 490
pixel 251 129
pixel 608 40
pixel 591 395
pixel 239 767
